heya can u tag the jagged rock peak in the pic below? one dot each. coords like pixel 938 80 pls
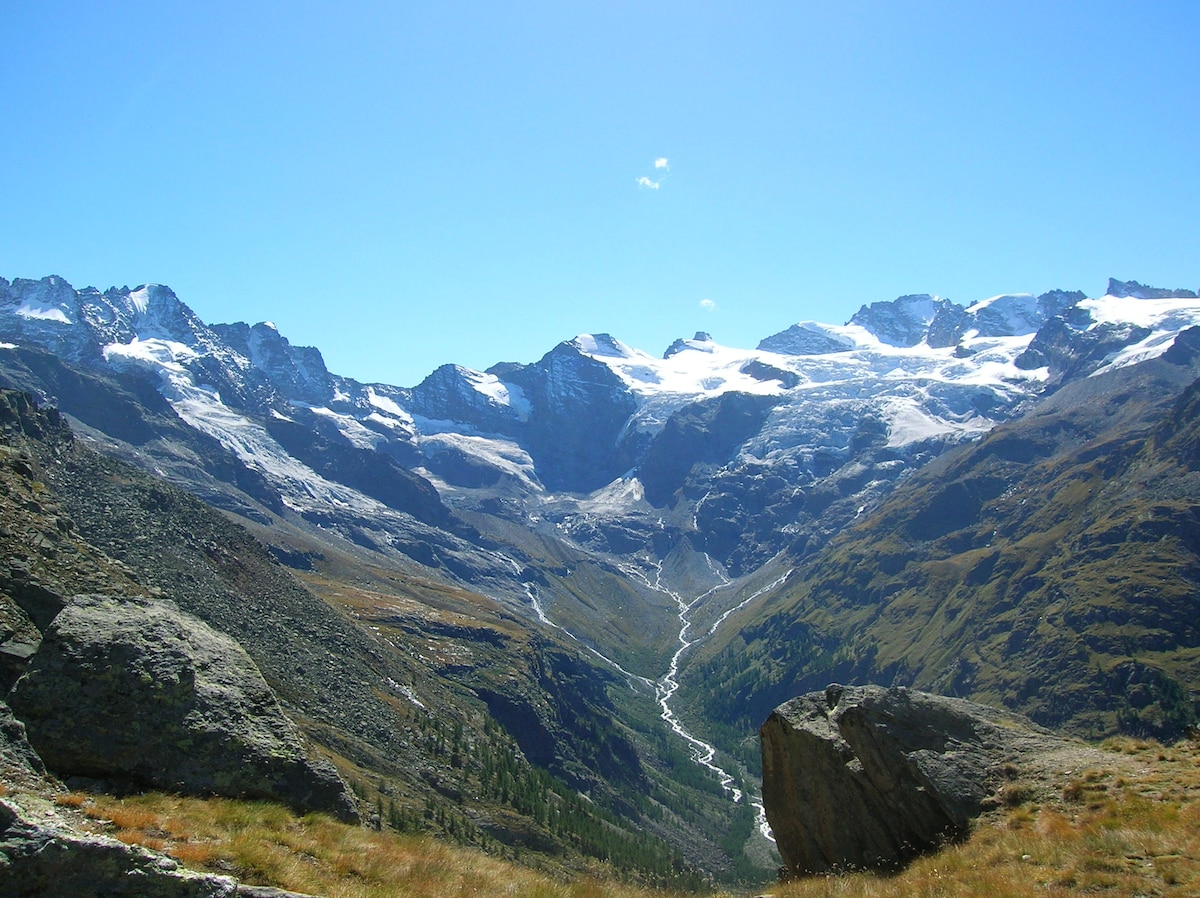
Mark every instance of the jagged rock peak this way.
pixel 77 323
pixel 806 338
pixel 601 345
pixel 464 394
pixel 904 321
pixel 701 341
pixel 1140 291
pixel 1017 314
pixel 298 372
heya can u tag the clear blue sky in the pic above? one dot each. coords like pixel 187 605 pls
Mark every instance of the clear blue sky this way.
pixel 406 184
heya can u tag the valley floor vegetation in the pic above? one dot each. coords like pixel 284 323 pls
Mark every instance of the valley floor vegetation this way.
pixel 1131 827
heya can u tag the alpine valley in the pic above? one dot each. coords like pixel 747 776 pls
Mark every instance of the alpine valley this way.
pixel 543 608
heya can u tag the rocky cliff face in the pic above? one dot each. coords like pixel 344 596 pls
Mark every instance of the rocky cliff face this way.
pixel 866 778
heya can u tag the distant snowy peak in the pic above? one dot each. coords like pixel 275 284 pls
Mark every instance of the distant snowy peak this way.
pixel 1018 314
pixel 1135 290
pixel 690 369
pixel 904 321
pixel 1097 335
pixel 455 393
pixel 808 338
pixel 297 372
pixel 702 342
pixel 909 322
pixel 993 344
pixel 79 324
pixel 603 346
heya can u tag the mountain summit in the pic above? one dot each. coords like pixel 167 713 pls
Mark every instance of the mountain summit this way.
pixel 840 411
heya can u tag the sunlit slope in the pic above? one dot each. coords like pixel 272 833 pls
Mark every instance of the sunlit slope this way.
pixel 1054 569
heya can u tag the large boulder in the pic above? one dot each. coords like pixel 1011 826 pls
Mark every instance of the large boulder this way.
pixel 865 777
pixel 136 692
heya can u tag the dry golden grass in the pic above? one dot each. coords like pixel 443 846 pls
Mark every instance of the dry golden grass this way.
pixel 1131 827
pixel 265 844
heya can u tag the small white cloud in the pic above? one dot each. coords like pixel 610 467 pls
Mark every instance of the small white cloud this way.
pixel 707 304
pixel 645 182
pixel 661 162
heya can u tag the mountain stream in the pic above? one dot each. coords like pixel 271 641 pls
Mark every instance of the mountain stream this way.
pixel 703 753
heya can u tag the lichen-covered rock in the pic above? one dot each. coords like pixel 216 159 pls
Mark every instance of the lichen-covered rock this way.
pixel 135 691
pixel 19 763
pixel 867 777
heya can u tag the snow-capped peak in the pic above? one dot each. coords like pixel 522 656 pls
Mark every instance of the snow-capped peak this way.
pixel 811 338
pixel 702 342
pixel 1134 290
pixel 140 299
pixel 904 321
pixel 1010 314
pixel 603 346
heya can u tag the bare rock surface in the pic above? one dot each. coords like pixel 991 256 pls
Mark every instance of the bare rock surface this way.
pixel 865 777
pixel 136 692
pixel 19 763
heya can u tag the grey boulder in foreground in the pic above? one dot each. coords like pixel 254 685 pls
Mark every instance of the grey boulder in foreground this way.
pixel 136 692
pixel 867 777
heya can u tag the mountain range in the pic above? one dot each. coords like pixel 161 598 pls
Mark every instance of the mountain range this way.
pixel 624 560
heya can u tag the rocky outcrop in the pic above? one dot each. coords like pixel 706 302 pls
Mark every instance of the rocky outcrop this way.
pixel 867 777
pixel 1141 291
pixel 706 432
pixel 19 764
pixel 43 852
pixel 136 692
pixel 904 321
pixel 576 450
pixel 297 372
pixel 806 338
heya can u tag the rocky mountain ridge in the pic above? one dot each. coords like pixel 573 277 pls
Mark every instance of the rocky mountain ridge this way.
pixel 695 469
pixel 566 542
pixel 840 413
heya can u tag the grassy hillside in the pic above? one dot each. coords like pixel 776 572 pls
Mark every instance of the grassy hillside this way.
pixel 1053 568
pixel 1127 827
pixel 445 713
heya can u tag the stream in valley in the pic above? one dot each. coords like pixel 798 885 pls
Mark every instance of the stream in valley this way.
pixel 665 688
pixel 703 753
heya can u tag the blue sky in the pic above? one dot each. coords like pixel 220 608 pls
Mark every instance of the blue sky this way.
pixel 407 184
